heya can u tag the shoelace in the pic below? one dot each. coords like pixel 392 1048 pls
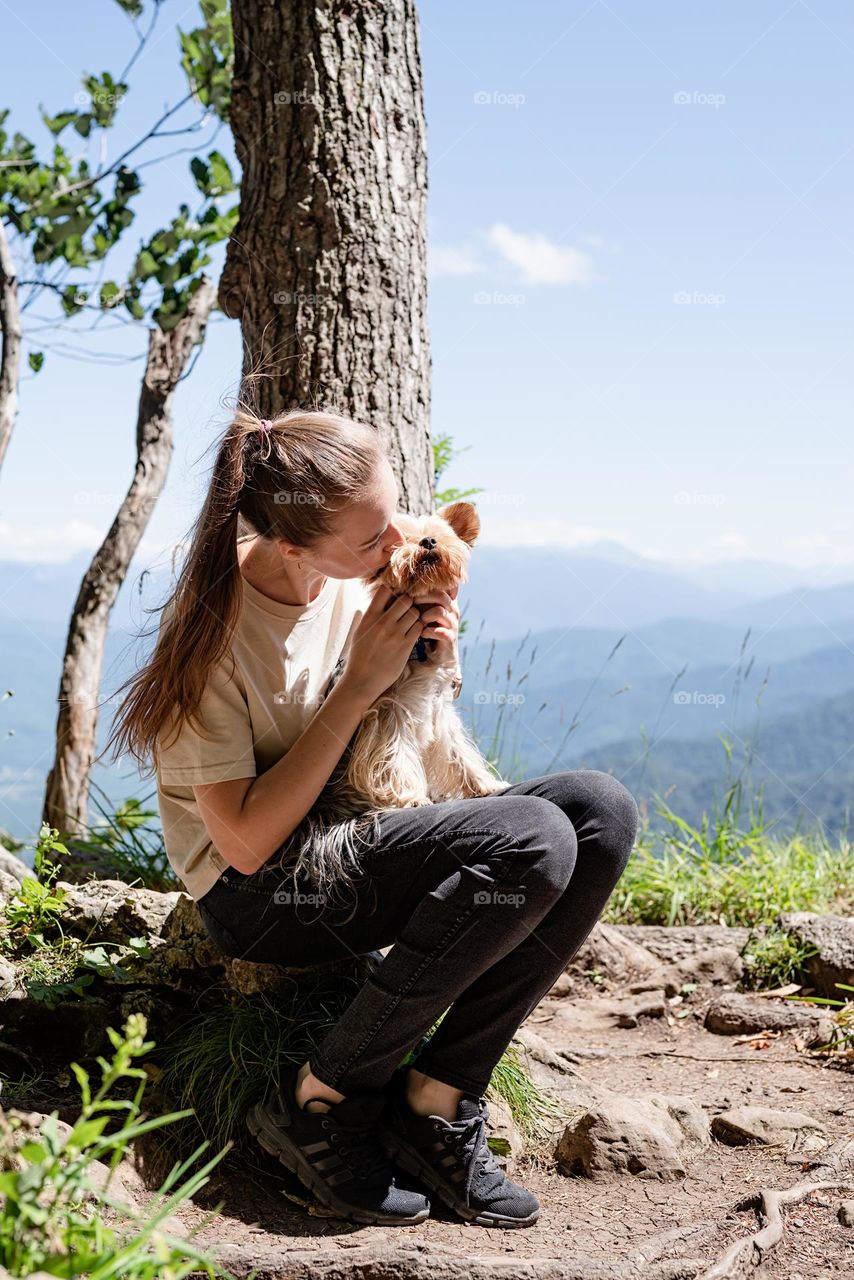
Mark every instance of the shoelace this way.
pixel 474 1147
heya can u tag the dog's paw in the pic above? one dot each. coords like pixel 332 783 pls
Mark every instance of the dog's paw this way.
pixel 489 788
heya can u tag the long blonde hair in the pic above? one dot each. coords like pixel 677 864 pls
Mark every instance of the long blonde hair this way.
pixel 287 482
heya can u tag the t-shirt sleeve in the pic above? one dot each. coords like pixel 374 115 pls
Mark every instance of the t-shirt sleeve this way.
pixel 227 751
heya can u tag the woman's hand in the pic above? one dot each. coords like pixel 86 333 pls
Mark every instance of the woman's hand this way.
pixel 441 622
pixel 381 644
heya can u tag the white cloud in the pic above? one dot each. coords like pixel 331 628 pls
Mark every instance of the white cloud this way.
pixel 503 532
pixel 732 545
pixel 445 260
pixel 540 260
pixel 49 545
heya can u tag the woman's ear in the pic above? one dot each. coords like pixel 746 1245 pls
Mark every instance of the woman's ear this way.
pixel 463 519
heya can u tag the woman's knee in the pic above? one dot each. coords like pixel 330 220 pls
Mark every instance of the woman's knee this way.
pixel 619 816
pixel 546 839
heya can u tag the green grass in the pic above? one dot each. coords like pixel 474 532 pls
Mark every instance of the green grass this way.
pixel 773 959
pixel 129 841
pixel 686 876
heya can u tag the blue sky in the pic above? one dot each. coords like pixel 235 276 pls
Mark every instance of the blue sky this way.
pixel 640 279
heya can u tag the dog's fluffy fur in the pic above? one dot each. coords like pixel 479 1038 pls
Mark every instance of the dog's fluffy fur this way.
pixel 411 747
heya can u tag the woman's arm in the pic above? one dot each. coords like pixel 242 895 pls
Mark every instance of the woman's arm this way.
pixel 249 818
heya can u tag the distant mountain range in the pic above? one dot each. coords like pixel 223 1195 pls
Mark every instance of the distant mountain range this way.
pixel 601 659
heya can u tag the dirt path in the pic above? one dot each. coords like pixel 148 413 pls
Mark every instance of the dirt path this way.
pixel 585 1227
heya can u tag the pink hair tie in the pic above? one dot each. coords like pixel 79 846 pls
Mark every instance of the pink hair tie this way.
pixel 266 424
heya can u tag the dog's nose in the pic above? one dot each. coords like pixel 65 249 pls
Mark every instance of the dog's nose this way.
pixel 429 543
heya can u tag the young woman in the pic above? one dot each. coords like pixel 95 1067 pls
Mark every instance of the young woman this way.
pixel 482 901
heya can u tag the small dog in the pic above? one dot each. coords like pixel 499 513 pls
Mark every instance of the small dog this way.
pixel 411 747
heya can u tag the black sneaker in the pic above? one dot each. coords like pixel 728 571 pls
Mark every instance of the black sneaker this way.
pixel 452 1158
pixel 337 1154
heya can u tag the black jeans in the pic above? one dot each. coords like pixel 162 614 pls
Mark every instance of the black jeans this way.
pixel 485 901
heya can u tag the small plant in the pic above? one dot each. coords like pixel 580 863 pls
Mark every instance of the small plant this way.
pixel 773 959
pixel 37 905
pixel 129 841
pixel 842 1043
pixel 54 1213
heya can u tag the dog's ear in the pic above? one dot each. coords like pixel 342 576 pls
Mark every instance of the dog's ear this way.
pixel 463 519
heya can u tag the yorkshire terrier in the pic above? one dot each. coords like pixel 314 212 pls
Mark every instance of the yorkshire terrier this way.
pixel 411 747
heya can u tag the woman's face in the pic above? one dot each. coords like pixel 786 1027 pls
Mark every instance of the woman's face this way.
pixel 366 534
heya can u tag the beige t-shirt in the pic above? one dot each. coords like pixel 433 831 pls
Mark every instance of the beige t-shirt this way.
pixel 284 656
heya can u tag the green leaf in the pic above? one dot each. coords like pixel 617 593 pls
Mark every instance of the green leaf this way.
pixel 34 1152
pixel 35 360
pixel 110 294
pixel 201 174
pixel 85 1132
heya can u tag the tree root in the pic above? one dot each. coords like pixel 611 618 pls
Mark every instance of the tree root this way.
pixel 745 1255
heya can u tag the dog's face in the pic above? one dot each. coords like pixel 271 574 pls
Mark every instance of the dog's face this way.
pixel 435 552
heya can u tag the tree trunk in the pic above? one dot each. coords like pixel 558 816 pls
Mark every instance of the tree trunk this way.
pixel 326 268
pixel 10 336
pixel 67 791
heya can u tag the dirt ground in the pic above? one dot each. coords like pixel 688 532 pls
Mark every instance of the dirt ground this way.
pixel 604 1223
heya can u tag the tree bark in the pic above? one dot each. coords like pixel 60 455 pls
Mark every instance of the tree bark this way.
pixel 326 268
pixel 10 336
pixel 67 790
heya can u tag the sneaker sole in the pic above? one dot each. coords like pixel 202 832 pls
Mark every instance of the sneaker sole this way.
pixel 413 1162
pixel 276 1143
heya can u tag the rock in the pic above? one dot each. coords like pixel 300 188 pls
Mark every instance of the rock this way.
pixel 9 886
pixel 563 987
pixel 505 1141
pixel 607 951
pixel 674 942
pixel 114 912
pixel 846 1213
pixel 794 1130
pixel 125 1182
pixel 714 965
pixel 599 1013
pixel 649 1136
pixel 555 1071
pixel 733 1014
pixel 10 986
pixel 647 1004
pixel 834 938
pixel 13 866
